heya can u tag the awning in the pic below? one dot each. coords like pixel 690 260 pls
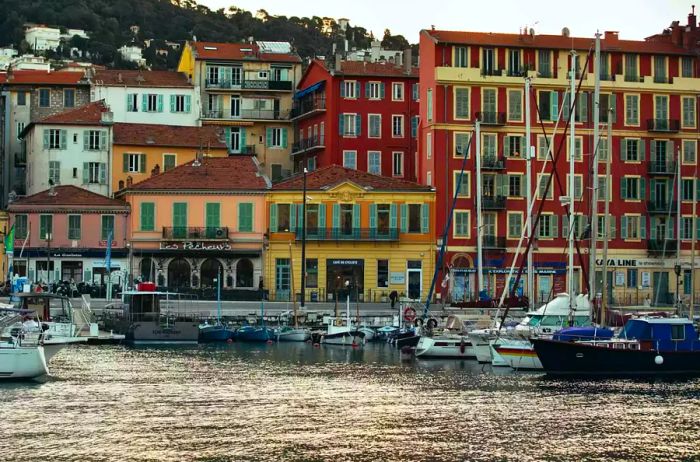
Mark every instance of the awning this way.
pixel 301 93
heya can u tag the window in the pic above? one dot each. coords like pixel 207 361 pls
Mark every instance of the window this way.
pixel 489 104
pixel 429 178
pixel 515 185
pixel 21 98
pixel 94 140
pixel 44 97
pixel 68 97
pixel 212 216
pixel 20 226
pixel 152 103
pixel 428 145
pixel 631 227
pixel 578 150
pixel 54 139
pixel 375 125
pixel 514 146
pixel 414 218
pixel 542 180
pixel 429 107
pixel 384 219
pixel 686 228
pixel 349 89
pixel 54 172
pixel 602 187
pixel 677 332
pixel 349 124
pixel 180 103
pixel 415 88
pixel 397 91
pixel 373 90
pixel 350 159
pixel 632 278
pixel 689 154
pixel 169 161
pixel 544 63
pixel 463 181
pixel 374 162
pixel 515 225
pixel 212 75
pixel 687 188
pixel 608 101
pixel 461 226
pixel 313 220
pixel 397 163
pixel 489 148
pixel 547 227
pixel 107 227
pixel 515 105
pixel 602 149
pixel 548 105
pixel 631 73
pixel 687 66
pixel 74 227
pixel 689 111
pixel 245 217
pixel 94 173
pixel 45 226
pixel 397 126
pixel 461 144
pixel 631 188
pixel 514 67
pixel 461 103
pixel 632 110
pixel 147 218
pixel 312 273
pixel 134 163
pixel 282 218
pixel 661 110
pixel 542 147
pixel 578 186
pixel 461 57
pixel 276 137
pixel 488 62
pixel 630 150
pixel 660 69
pixel 414 126
pixel 311 164
pixel 132 104
pixel 346 219
pixel 382 273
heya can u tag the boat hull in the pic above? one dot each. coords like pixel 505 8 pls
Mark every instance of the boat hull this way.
pixel 572 358
pixel 481 346
pixel 22 363
pixel 408 339
pixel 348 338
pixel 213 334
pixel 257 334
pixel 519 355
pixel 154 333
pixel 445 347
pixel 496 359
pixel 293 335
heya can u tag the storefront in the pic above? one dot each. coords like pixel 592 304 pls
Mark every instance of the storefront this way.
pixel 343 275
pixel 77 265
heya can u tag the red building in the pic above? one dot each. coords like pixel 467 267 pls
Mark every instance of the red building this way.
pixel 651 87
pixel 358 114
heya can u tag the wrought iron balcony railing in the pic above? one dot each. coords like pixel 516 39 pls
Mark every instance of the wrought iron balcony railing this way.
pixel 196 233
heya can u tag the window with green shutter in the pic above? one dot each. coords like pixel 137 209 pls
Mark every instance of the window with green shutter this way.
pixel 180 220
pixel 74 227
pixel 213 215
pixel 20 226
pixel 245 217
pixel 107 227
pixel 148 216
pixel 45 226
pixel 169 162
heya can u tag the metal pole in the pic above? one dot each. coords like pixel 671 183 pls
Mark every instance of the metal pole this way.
pixel 572 154
pixel 303 242
pixel 594 181
pixel 692 245
pixel 218 296
pixel 606 228
pixel 678 226
pixel 529 156
pixel 479 240
pixel 48 258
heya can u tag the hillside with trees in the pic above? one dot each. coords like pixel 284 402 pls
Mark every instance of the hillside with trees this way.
pixel 110 25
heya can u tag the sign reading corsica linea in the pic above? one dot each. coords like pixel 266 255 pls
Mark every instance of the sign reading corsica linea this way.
pixel 193 245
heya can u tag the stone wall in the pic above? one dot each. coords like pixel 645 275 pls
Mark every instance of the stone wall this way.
pixel 82 97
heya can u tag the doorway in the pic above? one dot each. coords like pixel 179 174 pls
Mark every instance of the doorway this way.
pixel 661 294
pixel 414 279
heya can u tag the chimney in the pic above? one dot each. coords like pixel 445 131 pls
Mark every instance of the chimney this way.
pixel 407 61
pixel 397 59
pixel 119 78
pixel 337 66
pixel 156 170
pixel 611 37
pixel 692 19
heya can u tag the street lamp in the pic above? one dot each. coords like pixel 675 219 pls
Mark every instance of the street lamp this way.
pixel 48 258
pixel 303 241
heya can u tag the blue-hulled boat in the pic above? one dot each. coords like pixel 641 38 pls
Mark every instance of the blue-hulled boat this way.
pixel 254 334
pixel 218 332
pixel 646 346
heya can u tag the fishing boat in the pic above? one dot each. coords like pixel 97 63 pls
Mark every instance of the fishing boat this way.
pixel 645 346
pixel 292 334
pixel 346 334
pixel 251 333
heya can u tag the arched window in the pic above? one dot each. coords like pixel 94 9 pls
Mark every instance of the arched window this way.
pixel 244 273
pixel 147 270
pixel 209 271
pixel 179 273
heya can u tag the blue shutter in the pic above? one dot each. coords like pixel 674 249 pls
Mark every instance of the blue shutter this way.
pixel 172 103
pixel 242 140
pixel 293 218
pixel 554 101
pixel 652 228
pixel 643 227
pixel 86 140
pixel 404 218
pixel 623 227
pixel 103 140
pixel 613 104
pixel 322 219
pixel 284 138
pixel 188 103
pixel 86 173
pixel 669 229
pixel 652 190
pixel 425 218
pixel 366 89
pixel 144 103
pixel 357 89
pixel 381 90
pixel 358 125
pixel 356 220
pixel 227 137
pixel 392 217
pixel 103 173
pixel 273 218
pixel 159 102
pixel 336 219
pixel 623 188
pixel 128 100
pixel 342 88
pixel 415 92
pixel 414 126
pixel 46 138
pixel 372 220
pixel 623 149
pixel 268 137
pixel 555 225
pixel 642 189
pixel 341 124
pixel 642 147
pixel 63 138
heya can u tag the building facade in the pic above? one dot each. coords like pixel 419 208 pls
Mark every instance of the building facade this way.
pixel 246 89
pixel 66 230
pixel 649 92
pixel 371 234
pixel 147 97
pixel 198 220
pixel 71 148
pixel 362 115
pixel 140 150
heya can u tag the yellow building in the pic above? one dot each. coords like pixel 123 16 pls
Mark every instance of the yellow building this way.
pixel 370 233
pixel 247 89
pixel 138 149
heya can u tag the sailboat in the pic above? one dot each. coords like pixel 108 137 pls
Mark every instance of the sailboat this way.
pixel 343 334
pixel 296 333
pixel 259 333
pixel 217 332
pixel 20 359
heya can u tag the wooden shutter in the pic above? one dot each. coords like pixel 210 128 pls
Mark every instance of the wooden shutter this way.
pixel 148 216
pixel 159 103
pixel 172 103
pixel 188 103
pixel 273 218
pixel 245 217
pixel 64 139
pixel 356 220
pixel 268 137
pixel 643 227
pixel 642 189
pixel 554 103
pixel 392 216
pixel 341 124
pixel 425 218
pixel 372 218
pixel 382 90
pixel 342 88
pixel 284 138
pixel 623 227
pixel 623 149
pixel 404 218
pixel 142 163
pixel 86 140
pixel 212 217
pixel 358 125
pixel 144 103
pixel 293 217
pixel 103 173
pixel 179 217
pixel 86 172
pixel 322 217
pixel 642 148
pixel 46 138
pixel 103 140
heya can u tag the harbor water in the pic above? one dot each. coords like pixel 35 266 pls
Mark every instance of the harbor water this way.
pixel 296 402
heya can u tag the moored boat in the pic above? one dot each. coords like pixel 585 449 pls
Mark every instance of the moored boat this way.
pixel 292 334
pixel 254 334
pixel 445 346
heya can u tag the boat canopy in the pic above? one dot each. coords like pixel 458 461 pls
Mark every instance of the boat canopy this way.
pixel 569 334
pixel 665 333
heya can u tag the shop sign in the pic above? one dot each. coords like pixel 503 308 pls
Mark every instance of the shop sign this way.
pixel 397 278
pixel 619 278
pixel 194 245
pixel 341 262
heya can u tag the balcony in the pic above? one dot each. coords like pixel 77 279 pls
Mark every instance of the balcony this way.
pixel 222 84
pixel 307 106
pixel 307 145
pixel 244 151
pixel 663 125
pixel 249 84
pixel 219 233
pixel 492 163
pixel 545 73
pixel 486 71
pixel 634 78
pixel 607 77
pixel 491 118
pixel 660 167
pixel 661 247
pixel 263 114
pixel 493 202
pixel 662 207
pixel 493 243
pixel 662 79
pixel 349 234
pixel 213 114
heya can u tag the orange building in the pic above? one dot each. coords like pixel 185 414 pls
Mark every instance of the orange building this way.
pixel 141 148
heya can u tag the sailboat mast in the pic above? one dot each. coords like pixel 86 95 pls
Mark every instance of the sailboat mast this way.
pixel 594 171
pixel 606 211
pixel 572 154
pixel 678 223
pixel 692 245
pixel 479 220
pixel 528 194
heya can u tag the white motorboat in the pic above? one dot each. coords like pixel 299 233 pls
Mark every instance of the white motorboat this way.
pixel 480 340
pixel 370 334
pixel 517 353
pixel 21 360
pixel 292 334
pixel 445 346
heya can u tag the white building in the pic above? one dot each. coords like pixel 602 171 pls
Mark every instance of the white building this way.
pixel 132 53
pixel 147 97
pixel 70 148
pixel 6 56
pixel 376 54
pixel 70 33
pixel 42 38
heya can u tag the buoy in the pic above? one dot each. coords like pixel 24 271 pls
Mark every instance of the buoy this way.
pixel 270 342
pixel 659 360
pixel 230 340
pixel 317 345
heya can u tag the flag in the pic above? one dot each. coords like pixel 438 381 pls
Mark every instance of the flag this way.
pixel 445 280
pixel 10 241
pixel 108 253
pixel 26 238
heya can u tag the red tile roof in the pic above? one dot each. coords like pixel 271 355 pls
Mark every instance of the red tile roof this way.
pixel 362 68
pixel 552 42
pixel 236 52
pixel 327 177
pixel 66 196
pixel 116 77
pixel 30 77
pixel 168 135
pixel 235 173
pixel 90 114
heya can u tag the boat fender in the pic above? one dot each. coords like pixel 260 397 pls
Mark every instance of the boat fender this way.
pixel 317 345
pixel 409 314
pixel 229 340
pixel 419 322
pixel 270 342
pixel 462 346
pixel 659 360
pixel 432 323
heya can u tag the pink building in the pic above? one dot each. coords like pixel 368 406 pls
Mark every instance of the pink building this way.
pixel 66 230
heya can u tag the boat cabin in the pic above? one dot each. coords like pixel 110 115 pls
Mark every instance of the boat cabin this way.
pixel 48 307
pixel 554 321
pixel 662 334
pixel 466 323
